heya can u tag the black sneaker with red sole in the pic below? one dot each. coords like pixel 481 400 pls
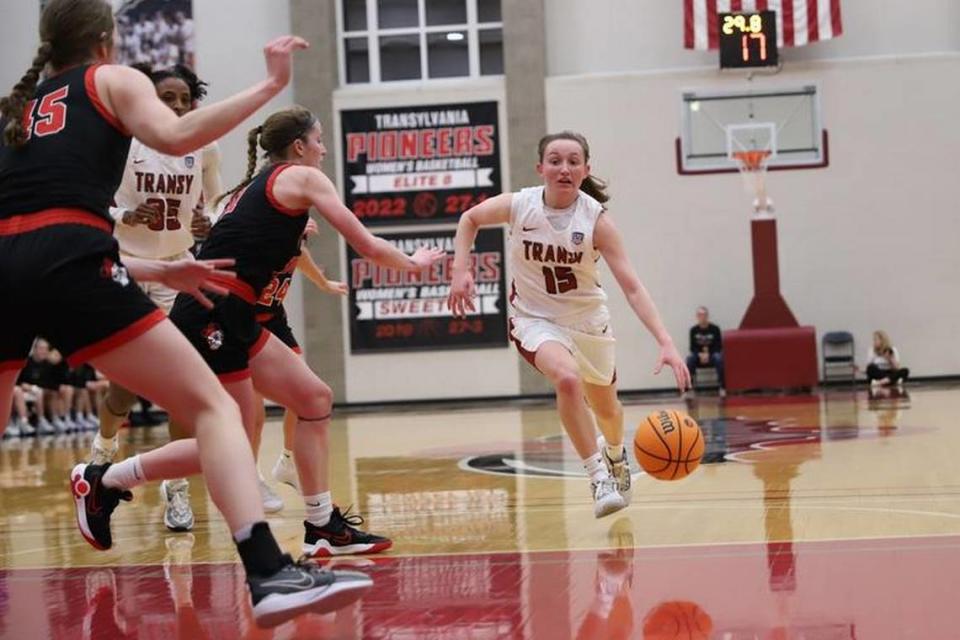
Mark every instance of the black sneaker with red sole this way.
pixel 95 503
pixel 340 536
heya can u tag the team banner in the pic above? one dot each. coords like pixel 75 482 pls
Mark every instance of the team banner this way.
pixel 394 310
pixel 420 164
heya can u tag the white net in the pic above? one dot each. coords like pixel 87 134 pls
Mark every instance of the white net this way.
pixel 753 170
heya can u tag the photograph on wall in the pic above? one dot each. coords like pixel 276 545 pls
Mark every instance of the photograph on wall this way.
pixel 392 310
pixel 419 164
pixel 156 32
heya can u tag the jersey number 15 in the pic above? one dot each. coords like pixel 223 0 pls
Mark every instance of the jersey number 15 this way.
pixel 559 279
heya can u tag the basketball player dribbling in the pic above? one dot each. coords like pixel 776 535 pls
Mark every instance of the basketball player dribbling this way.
pixel 261 229
pixel 62 155
pixel 560 322
pixel 158 210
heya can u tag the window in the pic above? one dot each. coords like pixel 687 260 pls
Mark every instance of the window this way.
pixel 392 40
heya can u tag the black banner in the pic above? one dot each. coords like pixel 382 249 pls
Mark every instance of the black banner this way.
pixel 429 163
pixel 394 310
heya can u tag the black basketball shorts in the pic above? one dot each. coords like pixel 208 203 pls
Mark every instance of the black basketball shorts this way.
pixel 61 278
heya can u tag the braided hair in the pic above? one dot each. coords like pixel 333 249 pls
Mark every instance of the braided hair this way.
pixel 277 132
pixel 69 32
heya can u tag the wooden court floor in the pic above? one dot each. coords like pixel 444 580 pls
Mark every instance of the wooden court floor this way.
pixel 831 516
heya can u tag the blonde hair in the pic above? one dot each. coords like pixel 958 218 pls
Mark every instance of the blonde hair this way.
pixel 884 340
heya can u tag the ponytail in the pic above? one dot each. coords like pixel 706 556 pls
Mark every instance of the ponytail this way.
pixel 274 136
pixel 12 107
pixel 253 138
pixel 595 188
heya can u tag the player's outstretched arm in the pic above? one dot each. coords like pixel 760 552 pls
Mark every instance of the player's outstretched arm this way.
pixel 190 276
pixel 610 244
pixel 314 273
pixel 132 98
pixel 495 210
pixel 318 190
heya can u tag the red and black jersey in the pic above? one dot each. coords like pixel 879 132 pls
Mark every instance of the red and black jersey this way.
pixel 271 298
pixel 259 233
pixel 75 153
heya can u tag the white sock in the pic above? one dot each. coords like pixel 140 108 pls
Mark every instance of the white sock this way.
pixel 243 533
pixel 595 467
pixel 125 475
pixel 286 453
pixel 110 444
pixel 319 508
pixel 615 451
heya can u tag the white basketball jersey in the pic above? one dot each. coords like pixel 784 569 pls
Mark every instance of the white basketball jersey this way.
pixel 173 184
pixel 555 273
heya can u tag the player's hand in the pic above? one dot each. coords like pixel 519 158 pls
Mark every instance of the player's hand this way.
pixel 144 214
pixel 426 256
pixel 200 225
pixel 334 287
pixel 278 54
pixel 463 292
pixel 670 356
pixel 194 277
pixel 311 229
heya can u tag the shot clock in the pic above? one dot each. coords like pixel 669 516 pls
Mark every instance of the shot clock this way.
pixel 748 40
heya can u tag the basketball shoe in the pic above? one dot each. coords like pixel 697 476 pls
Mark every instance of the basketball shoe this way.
pixel 95 503
pixel 606 497
pixel 271 501
pixel 299 587
pixel 177 514
pixel 285 471
pixel 340 537
pixel 101 452
pixel 619 470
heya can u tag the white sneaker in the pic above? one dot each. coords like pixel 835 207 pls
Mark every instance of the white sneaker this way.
pixel 44 428
pixel 177 514
pixel 619 470
pixel 285 471
pixel 102 455
pixel 91 422
pixel 26 429
pixel 13 430
pixel 271 501
pixel 606 497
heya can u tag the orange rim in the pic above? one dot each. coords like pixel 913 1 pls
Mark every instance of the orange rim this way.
pixel 752 159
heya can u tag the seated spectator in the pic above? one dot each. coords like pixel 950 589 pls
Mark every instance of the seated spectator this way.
pixel 37 384
pixel 20 419
pixel 60 398
pixel 883 362
pixel 84 381
pixel 706 347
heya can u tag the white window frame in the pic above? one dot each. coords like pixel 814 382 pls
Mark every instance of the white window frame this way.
pixel 373 34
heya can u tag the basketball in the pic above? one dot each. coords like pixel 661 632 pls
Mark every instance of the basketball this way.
pixel 668 445
pixel 677 621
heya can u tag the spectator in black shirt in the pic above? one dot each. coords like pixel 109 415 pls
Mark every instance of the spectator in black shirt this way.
pixel 706 346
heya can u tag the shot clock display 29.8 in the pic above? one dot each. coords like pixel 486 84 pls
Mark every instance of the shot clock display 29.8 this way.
pixel 748 40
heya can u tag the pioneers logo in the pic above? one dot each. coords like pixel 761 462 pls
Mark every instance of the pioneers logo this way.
pixel 726 440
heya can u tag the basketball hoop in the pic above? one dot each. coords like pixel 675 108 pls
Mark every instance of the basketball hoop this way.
pixel 753 168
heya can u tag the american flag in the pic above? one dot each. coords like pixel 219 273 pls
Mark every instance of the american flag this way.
pixel 799 22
